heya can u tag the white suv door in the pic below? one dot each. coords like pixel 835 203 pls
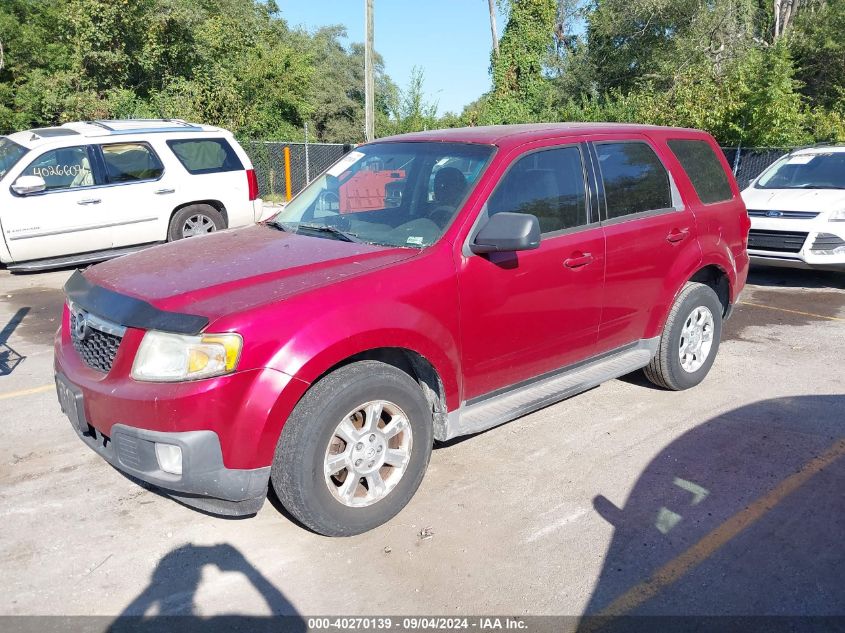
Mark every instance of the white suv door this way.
pixel 139 186
pixel 70 216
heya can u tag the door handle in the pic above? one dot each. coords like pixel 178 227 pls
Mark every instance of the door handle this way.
pixel 677 235
pixel 164 191
pixel 578 260
pixel 89 201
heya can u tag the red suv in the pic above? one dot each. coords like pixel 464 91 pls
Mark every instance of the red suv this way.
pixel 324 351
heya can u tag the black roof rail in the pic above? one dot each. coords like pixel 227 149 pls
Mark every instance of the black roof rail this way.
pixel 100 124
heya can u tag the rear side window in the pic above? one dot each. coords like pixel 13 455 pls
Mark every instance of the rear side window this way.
pixel 548 184
pixel 704 170
pixel 634 179
pixel 130 162
pixel 206 155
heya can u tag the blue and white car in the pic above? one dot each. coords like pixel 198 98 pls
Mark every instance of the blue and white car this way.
pixel 797 210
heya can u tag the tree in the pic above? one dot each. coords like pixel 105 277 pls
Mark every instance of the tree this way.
pixel 518 81
pixel 819 49
pixel 233 63
pixel 408 109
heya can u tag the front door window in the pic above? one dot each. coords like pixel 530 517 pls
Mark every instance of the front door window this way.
pixel 64 168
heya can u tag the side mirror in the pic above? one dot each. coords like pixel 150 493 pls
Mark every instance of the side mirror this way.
pixel 505 232
pixel 26 185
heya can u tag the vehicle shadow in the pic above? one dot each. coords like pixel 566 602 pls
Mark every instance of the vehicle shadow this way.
pixel 743 516
pixel 9 358
pixel 171 594
pixel 774 276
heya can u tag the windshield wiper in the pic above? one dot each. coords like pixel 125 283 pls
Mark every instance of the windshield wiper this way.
pixel 279 226
pixel 327 228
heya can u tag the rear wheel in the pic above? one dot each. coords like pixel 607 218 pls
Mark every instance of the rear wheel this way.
pixel 354 450
pixel 690 339
pixel 193 220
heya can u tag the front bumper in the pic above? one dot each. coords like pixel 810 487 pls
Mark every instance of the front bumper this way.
pixel 806 244
pixel 762 258
pixel 205 482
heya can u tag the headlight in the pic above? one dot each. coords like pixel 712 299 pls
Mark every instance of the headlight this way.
pixel 164 357
pixel 837 216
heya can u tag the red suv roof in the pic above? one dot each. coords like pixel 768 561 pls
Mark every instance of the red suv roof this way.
pixel 524 133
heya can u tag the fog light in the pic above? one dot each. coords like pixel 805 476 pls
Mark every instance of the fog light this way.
pixel 169 458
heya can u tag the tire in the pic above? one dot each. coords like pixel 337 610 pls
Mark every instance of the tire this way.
pixel 693 304
pixel 310 439
pixel 204 216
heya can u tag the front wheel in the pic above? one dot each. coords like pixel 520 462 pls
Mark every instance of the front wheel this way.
pixel 690 339
pixel 354 450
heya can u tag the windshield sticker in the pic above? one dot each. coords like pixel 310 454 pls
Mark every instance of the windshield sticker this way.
pixel 345 163
pixel 415 240
pixel 800 160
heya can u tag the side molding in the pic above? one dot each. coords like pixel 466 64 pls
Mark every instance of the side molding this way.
pixel 521 400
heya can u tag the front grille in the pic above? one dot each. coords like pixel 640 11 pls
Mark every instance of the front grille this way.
pixel 827 242
pixel 787 215
pixel 97 348
pixel 778 241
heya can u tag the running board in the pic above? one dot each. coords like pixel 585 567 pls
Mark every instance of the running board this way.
pixel 74 260
pixel 496 410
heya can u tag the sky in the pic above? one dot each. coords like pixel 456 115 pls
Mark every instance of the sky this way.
pixel 448 39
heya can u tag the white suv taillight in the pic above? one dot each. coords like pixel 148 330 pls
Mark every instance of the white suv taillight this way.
pixel 252 184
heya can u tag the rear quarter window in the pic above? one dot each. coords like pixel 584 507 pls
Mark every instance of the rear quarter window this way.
pixel 206 155
pixel 635 181
pixel 704 170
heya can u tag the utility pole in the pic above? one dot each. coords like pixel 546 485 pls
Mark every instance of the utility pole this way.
pixel 369 82
pixel 491 5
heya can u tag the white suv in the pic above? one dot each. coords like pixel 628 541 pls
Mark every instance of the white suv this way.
pixel 797 210
pixel 88 191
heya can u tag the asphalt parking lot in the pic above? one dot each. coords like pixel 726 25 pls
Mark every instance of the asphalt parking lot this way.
pixel 726 499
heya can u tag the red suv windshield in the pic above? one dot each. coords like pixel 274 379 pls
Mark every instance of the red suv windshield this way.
pixel 396 194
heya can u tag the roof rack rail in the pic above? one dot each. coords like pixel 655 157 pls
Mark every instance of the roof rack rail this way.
pixel 100 124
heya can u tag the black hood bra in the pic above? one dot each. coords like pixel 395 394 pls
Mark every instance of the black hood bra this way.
pixel 129 311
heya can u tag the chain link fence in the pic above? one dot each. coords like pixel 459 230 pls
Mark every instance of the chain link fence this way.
pixel 277 177
pixel 749 162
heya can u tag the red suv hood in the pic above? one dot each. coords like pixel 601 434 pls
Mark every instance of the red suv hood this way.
pixel 231 271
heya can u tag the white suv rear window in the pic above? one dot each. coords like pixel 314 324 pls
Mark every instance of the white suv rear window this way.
pixel 206 156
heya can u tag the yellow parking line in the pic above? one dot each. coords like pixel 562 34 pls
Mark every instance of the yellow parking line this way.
pixel 703 549
pixel 26 392
pixel 809 314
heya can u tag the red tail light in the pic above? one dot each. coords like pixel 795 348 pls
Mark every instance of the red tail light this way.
pixel 252 183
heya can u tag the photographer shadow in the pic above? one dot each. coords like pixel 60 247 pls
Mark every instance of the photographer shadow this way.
pixel 173 587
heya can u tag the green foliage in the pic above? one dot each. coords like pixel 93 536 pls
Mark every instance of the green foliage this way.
pixel 709 65
pixel 818 44
pixel 518 80
pixel 408 110
pixel 233 63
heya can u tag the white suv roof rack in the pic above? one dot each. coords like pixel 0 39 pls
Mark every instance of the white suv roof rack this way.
pixel 133 126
